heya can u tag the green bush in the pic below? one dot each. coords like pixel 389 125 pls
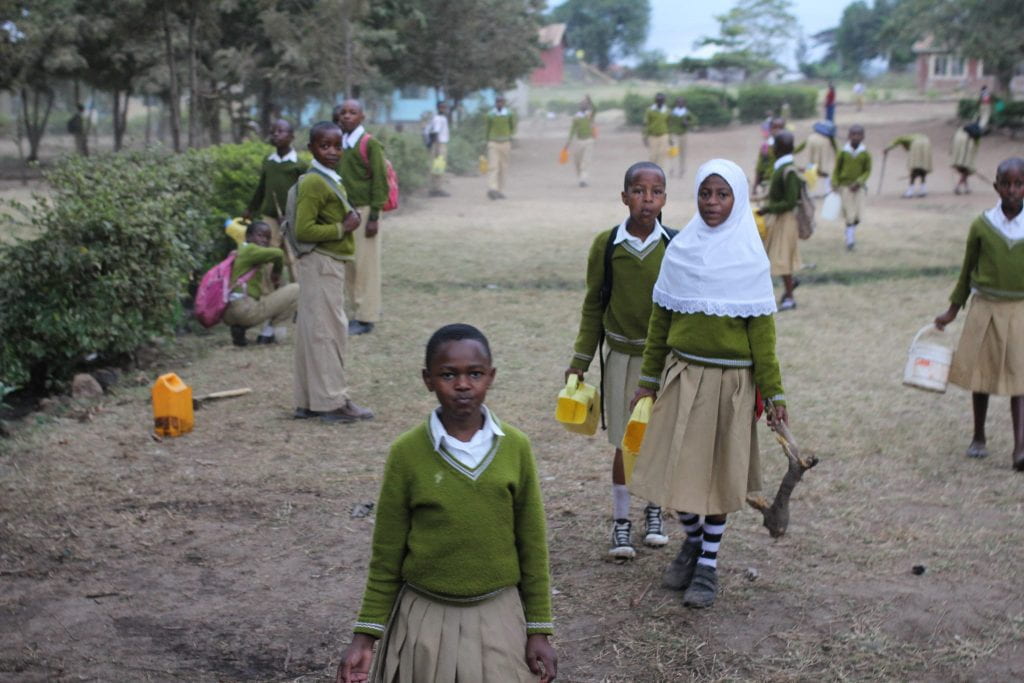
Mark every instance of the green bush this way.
pixel 711 107
pixel 236 172
pixel 408 155
pixel 463 157
pixel 754 100
pixel 609 103
pixel 117 244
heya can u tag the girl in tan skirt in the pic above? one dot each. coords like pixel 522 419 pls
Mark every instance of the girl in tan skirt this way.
pixel 458 587
pixel 990 356
pixel 710 348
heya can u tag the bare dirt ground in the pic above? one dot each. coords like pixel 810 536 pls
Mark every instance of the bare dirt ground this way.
pixel 231 554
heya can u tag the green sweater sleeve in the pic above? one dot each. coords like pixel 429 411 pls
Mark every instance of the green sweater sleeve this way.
pixel 531 535
pixel 865 169
pixel 313 197
pixel 767 375
pixel 591 319
pixel 963 284
pixel 656 349
pixel 784 192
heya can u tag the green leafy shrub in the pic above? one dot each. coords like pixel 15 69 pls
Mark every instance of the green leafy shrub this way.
pixel 609 103
pixel 463 157
pixel 754 100
pixel 236 172
pixel 117 244
pixel 710 106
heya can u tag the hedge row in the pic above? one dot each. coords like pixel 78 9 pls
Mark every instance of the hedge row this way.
pixel 713 107
pixel 754 100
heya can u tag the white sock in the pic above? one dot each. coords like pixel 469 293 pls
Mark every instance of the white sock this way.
pixel 849 234
pixel 710 543
pixel 267 331
pixel 620 498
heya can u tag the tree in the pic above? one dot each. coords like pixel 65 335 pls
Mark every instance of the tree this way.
pixel 862 35
pixel 753 34
pixel 605 29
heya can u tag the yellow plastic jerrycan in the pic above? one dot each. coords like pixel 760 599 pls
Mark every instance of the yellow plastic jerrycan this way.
pixel 673 151
pixel 172 406
pixel 235 229
pixel 634 436
pixel 762 226
pixel 482 164
pixel 578 406
pixel 811 176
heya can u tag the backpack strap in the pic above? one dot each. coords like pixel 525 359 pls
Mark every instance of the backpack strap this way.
pixel 335 188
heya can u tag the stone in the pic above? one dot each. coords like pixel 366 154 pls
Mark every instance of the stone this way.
pixel 85 386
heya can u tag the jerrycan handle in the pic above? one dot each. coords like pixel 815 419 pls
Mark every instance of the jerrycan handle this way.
pixel 572 384
pixel 930 327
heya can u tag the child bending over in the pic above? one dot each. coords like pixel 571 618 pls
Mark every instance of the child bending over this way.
pixel 458 588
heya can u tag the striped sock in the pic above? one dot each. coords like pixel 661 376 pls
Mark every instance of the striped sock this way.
pixel 709 545
pixel 692 526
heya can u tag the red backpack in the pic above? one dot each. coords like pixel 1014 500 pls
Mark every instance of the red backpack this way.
pixel 213 291
pixel 389 171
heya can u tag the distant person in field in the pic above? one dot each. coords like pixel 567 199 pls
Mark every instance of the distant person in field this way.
pixel 364 175
pixel 501 127
pixel 679 121
pixel 984 107
pixel 438 135
pixel 965 151
pixel 766 154
pixel 279 171
pixel 919 161
pixel 830 102
pixel 710 347
pixel 782 238
pixel 656 131
pixel 821 152
pixel 989 358
pixel 581 140
pixel 77 126
pixel 858 95
pixel 633 250
pixel 850 177
pixel 261 299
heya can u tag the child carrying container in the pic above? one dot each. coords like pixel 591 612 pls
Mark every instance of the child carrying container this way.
pixel 990 357
pixel 710 347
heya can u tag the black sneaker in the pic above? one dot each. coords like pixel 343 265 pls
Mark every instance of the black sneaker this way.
pixel 359 327
pixel 621 548
pixel 266 339
pixel 238 336
pixel 654 535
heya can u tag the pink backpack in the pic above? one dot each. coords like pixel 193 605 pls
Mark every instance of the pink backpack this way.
pixel 389 172
pixel 212 294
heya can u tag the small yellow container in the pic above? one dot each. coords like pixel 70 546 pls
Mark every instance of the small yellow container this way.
pixel 563 156
pixel 172 406
pixel 235 229
pixel 634 436
pixel 811 177
pixel 762 226
pixel 673 151
pixel 578 407
pixel 482 164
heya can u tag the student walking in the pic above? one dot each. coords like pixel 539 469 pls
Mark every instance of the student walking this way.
pixel 581 140
pixel 438 135
pixel 656 131
pixel 782 238
pixel 679 121
pixel 821 152
pixel 501 127
pixel 850 177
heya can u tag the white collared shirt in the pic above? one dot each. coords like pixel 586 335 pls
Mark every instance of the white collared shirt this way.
pixel 1012 229
pixel 290 156
pixel 655 107
pixel 640 245
pixel 468 453
pixel 784 159
pixel 329 172
pixel 680 111
pixel 499 112
pixel 849 148
pixel 349 140
pixel 439 125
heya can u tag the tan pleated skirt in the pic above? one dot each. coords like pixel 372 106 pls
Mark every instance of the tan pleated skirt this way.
pixel 990 356
pixel 427 641
pixel 621 376
pixel 919 156
pixel 965 149
pixel 700 450
pixel 820 152
pixel 781 241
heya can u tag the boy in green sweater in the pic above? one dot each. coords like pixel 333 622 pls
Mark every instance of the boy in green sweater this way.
pixel 501 126
pixel 620 317
pixel 581 139
pixel 656 131
pixel 365 180
pixel 459 567
pixel 324 222
pixel 850 177
pixel 260 299
pixel 278 173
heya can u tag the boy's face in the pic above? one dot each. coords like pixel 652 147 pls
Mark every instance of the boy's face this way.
pixel 856 137
pixel 1010 187
pixel 645 198
pixel 281 135
pixel 460 374
pixel 261 237
pixel 715 200
pixel 349 115
pixel 499 103
pixel 659 99
pixel 326 147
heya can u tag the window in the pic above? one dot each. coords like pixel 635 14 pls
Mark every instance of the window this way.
pixel 940 65
pixel 956 66
pixel 415 92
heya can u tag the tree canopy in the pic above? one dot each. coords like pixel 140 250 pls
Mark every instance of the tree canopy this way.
pixel 605 29
pixel 753 34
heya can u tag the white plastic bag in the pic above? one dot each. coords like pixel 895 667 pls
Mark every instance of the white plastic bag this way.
pixel 831 206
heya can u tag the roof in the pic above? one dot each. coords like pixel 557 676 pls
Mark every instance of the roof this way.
pixel 551 35
pixel 928 44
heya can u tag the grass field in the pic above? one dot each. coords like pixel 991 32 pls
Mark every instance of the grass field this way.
pixel 231 554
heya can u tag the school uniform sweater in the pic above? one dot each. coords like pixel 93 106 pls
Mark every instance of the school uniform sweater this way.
pixel 851 168
pixel 993 265
pixel 276 178
pixel 783 190
pixel 501 127
pixel 458 534
pixel 366 182
pixel 582 127
pixel 656 121
pixel 713 341
pixel 629 309
pixel 253 256
pixel 318 216
pixel 679 123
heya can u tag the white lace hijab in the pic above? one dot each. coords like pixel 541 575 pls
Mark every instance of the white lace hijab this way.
pixel 722 270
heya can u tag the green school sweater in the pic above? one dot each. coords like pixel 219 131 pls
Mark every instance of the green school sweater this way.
pixel 851 169
pixel 582 128
pixel 993 265
pixel 501 127
pixel 629 310
pixel 783 190
pixel 656 121
pixel 365 184
pixel 252 256
pixel 318 216
pixel 678 125
pixel 455 536
pixel 276 178
pixel 715 341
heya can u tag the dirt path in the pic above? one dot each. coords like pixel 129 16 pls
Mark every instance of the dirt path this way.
pixel 231 553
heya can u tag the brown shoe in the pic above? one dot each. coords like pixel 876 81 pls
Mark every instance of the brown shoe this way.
pixel 349 412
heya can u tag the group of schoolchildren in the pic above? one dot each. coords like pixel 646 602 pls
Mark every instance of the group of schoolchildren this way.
pixel 458 586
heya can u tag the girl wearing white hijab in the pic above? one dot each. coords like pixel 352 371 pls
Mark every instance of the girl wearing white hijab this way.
pixel 710 347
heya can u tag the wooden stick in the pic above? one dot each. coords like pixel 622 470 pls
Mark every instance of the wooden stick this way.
pixel 227 393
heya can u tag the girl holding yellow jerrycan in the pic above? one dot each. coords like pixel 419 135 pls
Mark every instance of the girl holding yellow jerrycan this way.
pixel 621 269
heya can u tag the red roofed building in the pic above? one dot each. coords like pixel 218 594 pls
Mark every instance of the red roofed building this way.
pixel 552 45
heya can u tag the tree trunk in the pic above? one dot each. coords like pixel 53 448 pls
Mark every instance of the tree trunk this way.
pixel 173 97
pixel 193 85
pixel 211 104
pixel 35 123
pixel 120 117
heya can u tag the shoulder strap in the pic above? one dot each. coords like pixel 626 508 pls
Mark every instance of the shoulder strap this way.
pixel 334 188
pixel 606 283
pixel 364 143
pixel 668 234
